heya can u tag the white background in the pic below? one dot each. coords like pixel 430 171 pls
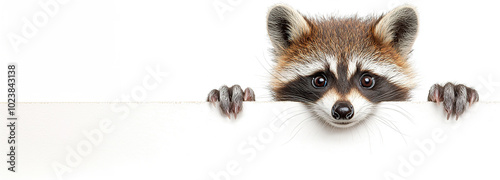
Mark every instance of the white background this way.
pixel 267 141
pixel 94 50
pixel 99 51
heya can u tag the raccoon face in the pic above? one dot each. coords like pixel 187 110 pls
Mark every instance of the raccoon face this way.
pixel 340 69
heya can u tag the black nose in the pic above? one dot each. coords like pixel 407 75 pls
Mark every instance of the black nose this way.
pixel 342 110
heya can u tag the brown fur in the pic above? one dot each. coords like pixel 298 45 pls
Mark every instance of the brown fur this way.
pixel 341 38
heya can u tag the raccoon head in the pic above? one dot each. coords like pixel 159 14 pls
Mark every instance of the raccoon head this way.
pixel 341 68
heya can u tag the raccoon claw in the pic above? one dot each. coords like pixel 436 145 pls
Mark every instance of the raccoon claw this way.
pixel 213 97
pixel 230 99
pixel 454 97
pixel 249 95
pixel 448 114
pixel 435 93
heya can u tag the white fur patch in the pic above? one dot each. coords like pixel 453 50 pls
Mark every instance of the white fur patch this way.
pixel 362 108
pixel 291 73
pixel 333 62
pixel 308 67
pixel 392 72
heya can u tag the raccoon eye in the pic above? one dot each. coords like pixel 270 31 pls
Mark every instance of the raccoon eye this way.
pixel 319 81
pixel 367 81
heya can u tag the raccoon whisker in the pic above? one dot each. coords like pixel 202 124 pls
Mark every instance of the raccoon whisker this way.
pixel 266 68
pixel 294 98
pixel 400 110
pixel 266 61
pixel 324 124
pixel 377 127
pixel 338 49
pixel 293 114
pixel 389 95
pixel 271 73
pixel 386 121
pixel 286 112
pixel 317 116
pixel 379 132
pixel 302 122
pixel 391 125
pixel 368 130
pixel 377 117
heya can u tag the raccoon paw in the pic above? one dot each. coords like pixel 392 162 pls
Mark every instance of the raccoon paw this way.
pixel 455 98
pixel 230 99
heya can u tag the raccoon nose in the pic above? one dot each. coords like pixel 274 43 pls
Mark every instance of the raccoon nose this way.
pixel 342 110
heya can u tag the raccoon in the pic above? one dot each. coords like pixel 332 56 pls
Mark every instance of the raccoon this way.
pixel 341 68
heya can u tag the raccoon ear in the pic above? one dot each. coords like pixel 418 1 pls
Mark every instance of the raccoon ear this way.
pixel 398 28
pixel 284 25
